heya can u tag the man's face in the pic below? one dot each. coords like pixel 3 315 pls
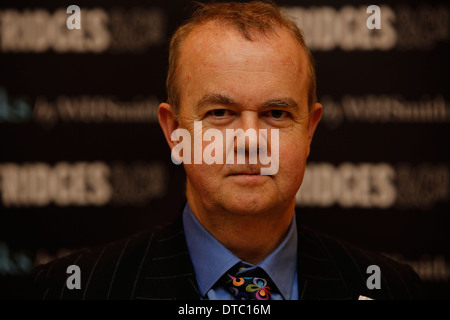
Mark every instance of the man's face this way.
pixel 229 82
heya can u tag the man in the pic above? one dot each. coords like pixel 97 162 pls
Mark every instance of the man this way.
pixel 235 66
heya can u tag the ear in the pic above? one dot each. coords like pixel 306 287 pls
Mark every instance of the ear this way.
pixel 314 117
pixel 168 122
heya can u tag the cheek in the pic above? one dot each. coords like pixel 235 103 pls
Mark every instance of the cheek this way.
pixel 293 155
pixel 196 172
pixel 203 176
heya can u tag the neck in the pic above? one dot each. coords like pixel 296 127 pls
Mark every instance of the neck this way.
pixel 245 235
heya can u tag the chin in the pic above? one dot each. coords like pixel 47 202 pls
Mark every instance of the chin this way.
pixel 250 204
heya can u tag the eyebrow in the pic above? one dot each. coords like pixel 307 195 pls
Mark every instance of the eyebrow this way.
pixel 214 98
pixel 221 99
pixel 281 103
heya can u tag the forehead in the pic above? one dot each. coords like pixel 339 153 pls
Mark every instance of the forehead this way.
pixel 217 54
pixel 214 42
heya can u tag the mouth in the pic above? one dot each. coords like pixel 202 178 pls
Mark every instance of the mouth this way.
pixel 248 171
pixel 248 177
pixel 246 174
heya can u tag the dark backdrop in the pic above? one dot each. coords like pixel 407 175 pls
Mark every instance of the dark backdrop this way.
pixel 83 160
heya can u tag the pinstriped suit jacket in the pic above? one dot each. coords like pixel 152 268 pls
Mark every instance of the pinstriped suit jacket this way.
pixel 156 265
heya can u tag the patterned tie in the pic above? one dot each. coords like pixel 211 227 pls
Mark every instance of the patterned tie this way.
pixel 247 284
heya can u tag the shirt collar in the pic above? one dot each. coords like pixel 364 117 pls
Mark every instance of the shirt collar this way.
pixel 211 259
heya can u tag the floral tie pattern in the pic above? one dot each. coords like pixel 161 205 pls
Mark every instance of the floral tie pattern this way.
pixel 247 284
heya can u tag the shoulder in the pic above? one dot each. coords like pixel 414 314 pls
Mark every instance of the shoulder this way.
pixel 106 272
pixel 365 272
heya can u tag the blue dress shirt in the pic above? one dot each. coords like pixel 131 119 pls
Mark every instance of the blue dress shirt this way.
pixel 211 260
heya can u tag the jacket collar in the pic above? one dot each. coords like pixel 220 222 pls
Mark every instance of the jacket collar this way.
pixel 167 271
pixel 319 275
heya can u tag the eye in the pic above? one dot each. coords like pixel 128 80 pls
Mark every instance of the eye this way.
pixel 219 113
pixel 277 114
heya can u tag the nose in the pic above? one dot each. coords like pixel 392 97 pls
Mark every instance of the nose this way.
pixel 249 120
pixel 246 142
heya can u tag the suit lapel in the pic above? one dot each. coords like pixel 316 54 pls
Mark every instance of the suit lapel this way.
pixel 319 276
pixel 167 271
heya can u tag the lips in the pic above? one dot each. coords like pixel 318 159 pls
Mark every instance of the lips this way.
pixel 244 170
pixel 245 173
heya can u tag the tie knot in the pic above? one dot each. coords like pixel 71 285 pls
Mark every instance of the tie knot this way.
pixel 247 283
